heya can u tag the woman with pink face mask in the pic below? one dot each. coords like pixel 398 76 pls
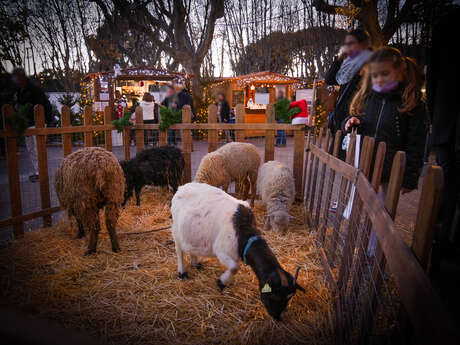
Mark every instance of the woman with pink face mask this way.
pixel 345 72
pixel 389 107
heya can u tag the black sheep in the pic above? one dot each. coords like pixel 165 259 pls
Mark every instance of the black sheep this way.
pixel 159 166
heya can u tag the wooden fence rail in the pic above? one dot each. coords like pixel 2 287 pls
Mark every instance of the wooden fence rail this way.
pixel 17 218
pixel 356 291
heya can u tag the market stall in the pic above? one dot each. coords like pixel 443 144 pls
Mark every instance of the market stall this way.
pixel 127 85
pixel 255 91
pixel 122 88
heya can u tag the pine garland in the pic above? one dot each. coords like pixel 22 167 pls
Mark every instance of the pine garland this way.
pixel 123 122
pixel 282 111
pixel 169 117
pixel 19 122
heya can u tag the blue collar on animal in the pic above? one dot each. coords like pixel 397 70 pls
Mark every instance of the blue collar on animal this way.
pixel 251 240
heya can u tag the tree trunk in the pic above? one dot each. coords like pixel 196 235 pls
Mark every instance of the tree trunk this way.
pixel 368 17
pixel 197 88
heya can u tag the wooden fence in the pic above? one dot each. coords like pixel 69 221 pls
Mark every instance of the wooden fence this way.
pixel 17 218
pixel 382 294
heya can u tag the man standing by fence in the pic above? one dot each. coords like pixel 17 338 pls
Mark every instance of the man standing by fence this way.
pixel 28 93
pixel 444 108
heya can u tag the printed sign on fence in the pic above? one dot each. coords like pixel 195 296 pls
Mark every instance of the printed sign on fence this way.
pixel 347 212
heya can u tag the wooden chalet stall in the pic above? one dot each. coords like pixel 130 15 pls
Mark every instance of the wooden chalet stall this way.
pixel 255 91
pixel 100 88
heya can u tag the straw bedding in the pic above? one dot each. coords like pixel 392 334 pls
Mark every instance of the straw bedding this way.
pixel 135 297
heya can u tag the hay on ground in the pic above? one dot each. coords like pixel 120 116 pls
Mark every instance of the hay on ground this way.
pixel 135 297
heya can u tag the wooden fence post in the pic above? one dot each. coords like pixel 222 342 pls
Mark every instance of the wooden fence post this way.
pixel 126 142
pixel 212 133
pixel 391 204
pixel 88 121
pixel 299 151
pixel 315 166
pixel 187 143
pixel 322 176
pixel 425 228
pixel 42 155
pixel 239 118
pixel 66 137
pixel 330 185
pixel 427 213
pixel 13 172
pixel 139 132
pixel 162 135
pixel 108 133
pixel 341 202
pixel 311 140
pixel 270 134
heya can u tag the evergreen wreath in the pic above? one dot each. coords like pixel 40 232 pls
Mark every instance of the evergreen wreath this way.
pixel 19 122
pixel 169 117
pixel 282 111
pixel 123 122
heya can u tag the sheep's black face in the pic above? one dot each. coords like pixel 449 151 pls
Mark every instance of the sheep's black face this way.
pixel 277 291
pixel 275 302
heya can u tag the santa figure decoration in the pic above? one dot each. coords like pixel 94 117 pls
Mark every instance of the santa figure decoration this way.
pixel 301 118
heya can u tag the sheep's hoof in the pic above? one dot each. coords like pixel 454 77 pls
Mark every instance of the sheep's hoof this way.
pixel 199 266
pixel 116 249
pixel 80 235
pixel 90 252
pixel 220 285
pixel 183 275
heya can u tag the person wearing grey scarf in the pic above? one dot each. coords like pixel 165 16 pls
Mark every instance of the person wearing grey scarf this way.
pixel 345 73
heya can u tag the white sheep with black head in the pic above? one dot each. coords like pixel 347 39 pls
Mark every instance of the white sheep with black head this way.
pixel 207 222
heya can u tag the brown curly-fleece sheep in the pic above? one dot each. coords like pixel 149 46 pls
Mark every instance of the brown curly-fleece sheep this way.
pixel 87 181
pixel 231 162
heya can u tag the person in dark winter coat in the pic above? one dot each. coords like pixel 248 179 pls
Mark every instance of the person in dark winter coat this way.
pixel 444 108
pixel 184 97
pixel 345 72
pixel 223 112
pixel 223 108
pixel 28 93
pixel 171 101
pixel 389 108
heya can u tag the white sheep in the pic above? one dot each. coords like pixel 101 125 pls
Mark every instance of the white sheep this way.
pixel 277 190
pixel 233 162
pixel 211 223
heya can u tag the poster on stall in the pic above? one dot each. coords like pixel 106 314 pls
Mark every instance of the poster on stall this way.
pixel 306 94
pixel 99 106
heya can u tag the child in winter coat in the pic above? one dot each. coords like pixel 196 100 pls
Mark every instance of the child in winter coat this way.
pixel 389 107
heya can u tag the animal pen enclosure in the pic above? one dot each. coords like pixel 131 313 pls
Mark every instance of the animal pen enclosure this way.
pixel 382 295
pixel 351 297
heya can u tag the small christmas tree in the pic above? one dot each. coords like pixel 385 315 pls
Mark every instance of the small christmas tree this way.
pixel 282 111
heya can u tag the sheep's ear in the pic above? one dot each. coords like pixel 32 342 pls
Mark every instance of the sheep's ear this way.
pixel 297 286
